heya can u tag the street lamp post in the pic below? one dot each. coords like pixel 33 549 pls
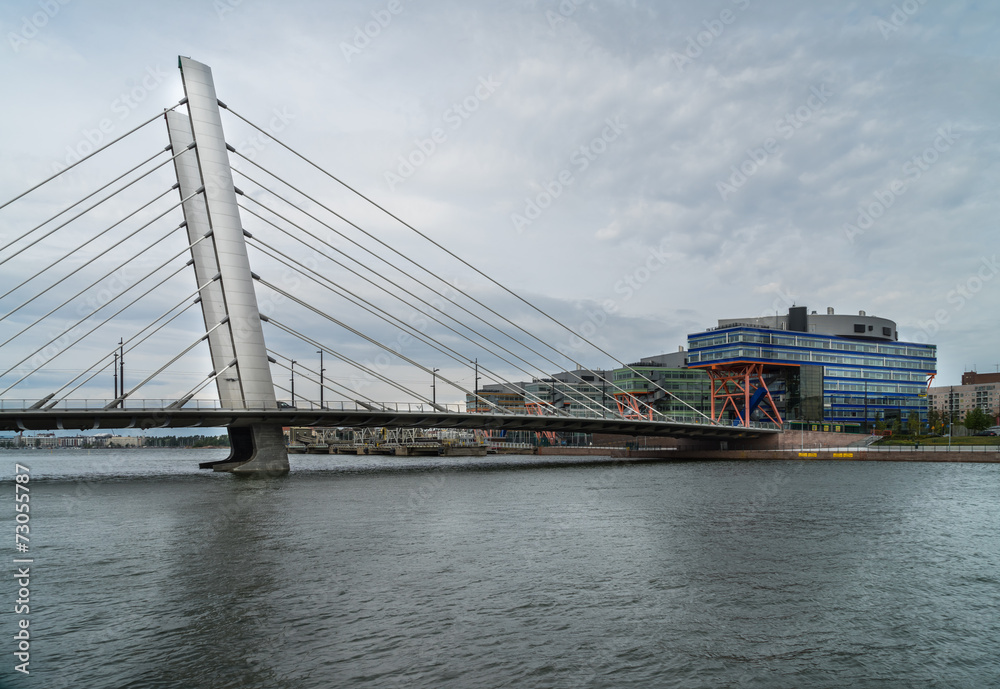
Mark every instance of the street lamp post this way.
pixel 293 382
pixel 121 369
pixel 434 386
pixel 321 369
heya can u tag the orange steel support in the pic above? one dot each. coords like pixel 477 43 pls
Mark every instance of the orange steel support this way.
pixel 538 408
pixel 630 407
pixel 732 387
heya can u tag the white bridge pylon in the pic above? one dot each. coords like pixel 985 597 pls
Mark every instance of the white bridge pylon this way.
pixel 239 355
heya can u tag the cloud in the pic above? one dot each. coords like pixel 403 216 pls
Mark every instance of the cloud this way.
pixel 743 111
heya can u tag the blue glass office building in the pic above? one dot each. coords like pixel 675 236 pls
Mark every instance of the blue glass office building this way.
pixel 826 368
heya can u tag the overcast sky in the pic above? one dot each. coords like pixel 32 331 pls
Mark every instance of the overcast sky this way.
pixel 637 169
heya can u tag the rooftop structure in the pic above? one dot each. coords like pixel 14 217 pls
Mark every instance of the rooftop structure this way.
pixel 973 378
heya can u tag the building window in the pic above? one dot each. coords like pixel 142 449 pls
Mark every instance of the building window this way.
pixel 859 327
pixel 887 332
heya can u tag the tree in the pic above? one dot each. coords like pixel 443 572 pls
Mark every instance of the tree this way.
pixel 913 423
pixel 977 420
pixel 935 421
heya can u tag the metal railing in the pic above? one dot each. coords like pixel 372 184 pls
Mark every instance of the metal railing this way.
pixel 930 448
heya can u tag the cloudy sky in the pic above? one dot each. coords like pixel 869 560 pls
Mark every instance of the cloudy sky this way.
pixel 637 169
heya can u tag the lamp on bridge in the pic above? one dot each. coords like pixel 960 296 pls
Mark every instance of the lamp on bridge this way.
pixel 293 381
pixel 434 386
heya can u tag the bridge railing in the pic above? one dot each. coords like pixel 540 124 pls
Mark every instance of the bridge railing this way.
pixel 152 405
pixel 134 404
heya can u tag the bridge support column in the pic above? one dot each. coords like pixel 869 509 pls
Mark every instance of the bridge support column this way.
pixel 215 215
pixel 255 449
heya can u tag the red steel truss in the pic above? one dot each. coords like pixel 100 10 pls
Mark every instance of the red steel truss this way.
pixel 733 385
pixel 539 409
pixel 630 407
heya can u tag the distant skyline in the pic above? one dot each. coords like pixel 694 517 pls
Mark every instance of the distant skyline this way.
pixel 639 170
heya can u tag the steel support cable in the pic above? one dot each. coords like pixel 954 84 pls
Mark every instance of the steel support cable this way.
pixel 326 384
pixel 284 389
pixel 399 287
pixel 94 258
pixel 395 295
pixel 382 259
pixel 372 308
pixel 101 324
pixel 126 395
pixel 85 289
pixel 93 193
pixel 86 334
pixel 75 217
pixel 388 318
pixel 360 334
pixel 92 153
pixel 425 285
pixel 401 255
pixel 456 257
pixel 353 393
pixel 452 301
pixel 97 366
pixel 395 284
pixel 184 399
pixel 161 215
pixel 346 360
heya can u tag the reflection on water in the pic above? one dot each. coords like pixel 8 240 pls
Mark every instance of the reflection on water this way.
pixel 372 574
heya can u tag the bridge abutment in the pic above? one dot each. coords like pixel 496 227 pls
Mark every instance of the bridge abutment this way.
pixel 256 449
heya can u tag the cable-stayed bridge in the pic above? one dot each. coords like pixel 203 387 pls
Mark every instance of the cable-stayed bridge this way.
pixel 188 258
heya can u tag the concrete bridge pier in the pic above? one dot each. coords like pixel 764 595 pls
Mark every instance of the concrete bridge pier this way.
pixel 257 449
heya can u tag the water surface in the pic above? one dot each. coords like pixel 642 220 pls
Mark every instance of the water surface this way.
pixel 382 572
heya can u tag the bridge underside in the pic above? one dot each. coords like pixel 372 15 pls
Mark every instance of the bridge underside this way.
pixel 69 419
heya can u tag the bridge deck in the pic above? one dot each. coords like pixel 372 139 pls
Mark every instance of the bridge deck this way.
pixel 89 419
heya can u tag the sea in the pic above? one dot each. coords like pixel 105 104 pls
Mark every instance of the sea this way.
pixel 384 572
